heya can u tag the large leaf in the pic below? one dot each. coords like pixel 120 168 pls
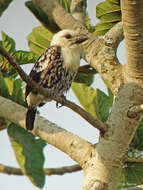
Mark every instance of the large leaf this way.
pixel 42 16
pixel 3 5
pixel 9 82
pixel 29 154
pixel 8 43
pixel 95 102
pixel 137 142
pixel 109 13
pixel 24 57
pixel 132 175
pixel 39 39
pixel 85 75
pixel 3 87
pixel 17 93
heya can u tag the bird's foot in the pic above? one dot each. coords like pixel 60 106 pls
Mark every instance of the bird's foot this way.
pixel 62 101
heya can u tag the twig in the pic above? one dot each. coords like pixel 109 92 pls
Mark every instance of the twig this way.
pixel 48 171
pixel 84 114
pixel 87 116
pixel 2 125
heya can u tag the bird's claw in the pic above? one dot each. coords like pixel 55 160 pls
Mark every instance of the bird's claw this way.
pixel 62 100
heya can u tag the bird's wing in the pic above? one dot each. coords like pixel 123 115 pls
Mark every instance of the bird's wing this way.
pixel 46 63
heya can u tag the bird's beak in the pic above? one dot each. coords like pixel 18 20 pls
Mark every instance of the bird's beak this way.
pixel 79 39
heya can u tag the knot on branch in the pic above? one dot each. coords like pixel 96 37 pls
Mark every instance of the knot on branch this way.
pixel 134 111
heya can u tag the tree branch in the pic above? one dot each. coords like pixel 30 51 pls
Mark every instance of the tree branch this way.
pixel 74 146
pixel 48 171
pixel 78 10
pixel 132 19
pixel 84 114
pixel 116 34
pixel 2 125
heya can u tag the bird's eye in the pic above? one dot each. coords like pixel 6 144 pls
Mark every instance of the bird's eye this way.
pixel 68 36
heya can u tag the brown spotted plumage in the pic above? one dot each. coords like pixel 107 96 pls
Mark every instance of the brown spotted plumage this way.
pixel 55 70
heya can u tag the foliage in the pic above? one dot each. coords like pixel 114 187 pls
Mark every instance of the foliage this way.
pixel 131 175
pixel 109 13
pixel 39 39
pixel 22 57
pixel 94 101
pixel 29 153
pixel 4 5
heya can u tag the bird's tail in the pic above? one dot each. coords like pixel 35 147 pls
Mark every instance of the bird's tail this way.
pixel 30 118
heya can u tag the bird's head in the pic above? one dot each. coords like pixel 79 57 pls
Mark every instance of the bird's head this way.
pixel 68 38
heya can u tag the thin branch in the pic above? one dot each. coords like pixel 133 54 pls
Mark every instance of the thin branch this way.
pixel 87 116
pixel 2 125
pixel 48 171
pixel 78 10
pixel 84 114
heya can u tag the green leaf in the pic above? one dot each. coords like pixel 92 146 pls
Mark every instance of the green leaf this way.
pixel 39 39
pixel 138 138
pixel 132 172
pixel 9 82
pixel 85 75
pixel 29 154
pixel 102 28
pixel 3 5
pixel 132 175
pixel 24 57
pixel 17 93
pixel 109 13
pixel 42 17
pixel 8 43
pixel 95 102
pixel 3 87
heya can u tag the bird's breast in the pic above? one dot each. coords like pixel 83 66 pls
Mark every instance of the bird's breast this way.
pixel 71 58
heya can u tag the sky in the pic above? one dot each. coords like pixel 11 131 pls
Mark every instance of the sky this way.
pixel 18 22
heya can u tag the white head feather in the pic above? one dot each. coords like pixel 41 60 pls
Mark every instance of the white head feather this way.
pixel 69 40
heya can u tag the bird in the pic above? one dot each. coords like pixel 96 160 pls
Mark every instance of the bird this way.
pixel 54 70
